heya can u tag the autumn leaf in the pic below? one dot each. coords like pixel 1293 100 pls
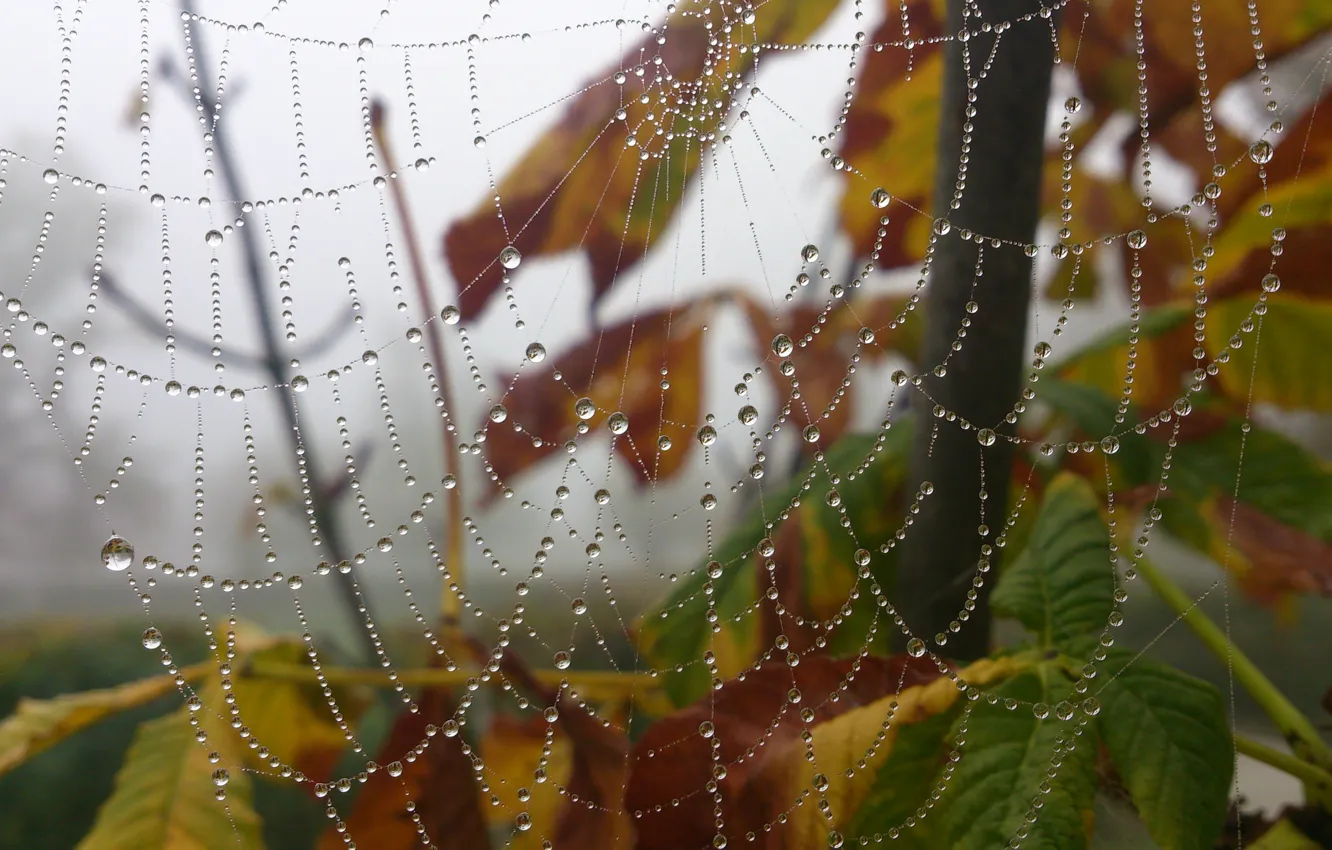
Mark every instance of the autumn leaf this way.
pixel 440 782
pixel 37 725
pixel 890 134
pixel 608 176
pixel 512 750
pixel 620 370
pixel 673 758
pixel 164 793
pixel 814 557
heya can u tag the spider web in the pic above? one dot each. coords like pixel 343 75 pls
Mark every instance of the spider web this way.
pixel 556 562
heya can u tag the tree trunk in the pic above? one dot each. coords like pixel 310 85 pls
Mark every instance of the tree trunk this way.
pixel 1000 199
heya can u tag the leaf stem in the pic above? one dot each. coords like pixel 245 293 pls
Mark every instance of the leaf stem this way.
pixel 591 684
pixel 1297 729
pixel 450 603
pixel 1308 773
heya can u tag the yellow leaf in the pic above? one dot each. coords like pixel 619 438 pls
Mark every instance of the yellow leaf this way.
pixel 842 742
pixel 164 793
pixel 512 753
pixel 1294 358
pixel 38 724
pixel 290 718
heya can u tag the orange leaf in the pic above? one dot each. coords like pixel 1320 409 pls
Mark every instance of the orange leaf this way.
pixel 441 783
pixel 673 759
pixel 620 369
pixel 1278 560
pixel 585 184
pixel 890 133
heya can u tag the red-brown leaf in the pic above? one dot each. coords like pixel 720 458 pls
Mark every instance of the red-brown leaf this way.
pixel 620 369
pixel 672 761
pixel 1281 560
pixel 441 782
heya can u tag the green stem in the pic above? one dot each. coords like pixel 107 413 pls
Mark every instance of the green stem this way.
pixel 1309 774
pixel 1298 731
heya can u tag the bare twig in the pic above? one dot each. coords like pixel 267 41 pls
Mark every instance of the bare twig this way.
pixel 450 602
pixel 325 516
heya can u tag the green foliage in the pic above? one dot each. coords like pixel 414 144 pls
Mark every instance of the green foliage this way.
pixel 1061 586
pixel 1004 764
pixel 823 558
pixel 1167 735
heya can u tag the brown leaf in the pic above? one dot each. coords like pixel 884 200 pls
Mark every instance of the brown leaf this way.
pixel 620 370
pixel 441 783
pixel 512 750
pixel 672 760
pixel 583 186
pixel 1279 560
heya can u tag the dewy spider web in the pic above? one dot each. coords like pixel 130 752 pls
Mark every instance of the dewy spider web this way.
pixel 751 218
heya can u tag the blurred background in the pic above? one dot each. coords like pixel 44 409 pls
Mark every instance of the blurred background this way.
pixel 106 264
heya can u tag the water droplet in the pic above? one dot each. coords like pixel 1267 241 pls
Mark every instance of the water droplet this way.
pixel 1043 349
pixel 117 554
pixel 365 45
pixel 51 176
pixel 1271 283
pixel 1110 444
pixel 618 423
pixel 385 544
pixel 1137 239
pixel 536 352
pixel 811 434
pixel 562 660
pixel 584 408
pixel 213 238
pixel 479 142
pixel 450 315
pixel 1073 105
pixel 810 253
pixel 820 782
pixel 986 436
pixel 370 358
pixel 221 777
pixel 394 768
pixel 523 821
pixel 707 435
pixel 499 413
pixel 748 414
pixel 300 383
pixel 510 257
pixel 1183 407
pixel 866 336
pixel 1261 152
pixel 551 714
pixel 706 729
pixel 782 345
pixel 835 839
pixel 602 497
pixel 880 198
pixel 915 647
pixel 152 638
pixel 1040 710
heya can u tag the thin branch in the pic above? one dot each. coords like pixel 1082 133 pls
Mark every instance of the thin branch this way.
pixel 1297 729
pixel 145 319
pixel 1309 774
pixel 325 517
pixel 591 684
pixel 450 601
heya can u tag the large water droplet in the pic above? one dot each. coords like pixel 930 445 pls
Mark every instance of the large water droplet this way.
pixel 1137 239
pixel 450 315
pixel 152 638
pixel 748 414
pixel 986 436
pixel 585 408
pixel 536 352
pixel 810 253
pixel 562 660
pixel 498 413
pixel 365 45
pixel 880 198
pixel 915 647
pixel 300 383
pixel 782 345
pixel 510 257
pixel 221 777
pixel 213 238
pixel 1261 152
pixel 707 435
pixel 117 554
pixel 618 423
pixel 51 176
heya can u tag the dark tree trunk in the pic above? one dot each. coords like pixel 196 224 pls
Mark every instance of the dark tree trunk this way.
pixel 1001 199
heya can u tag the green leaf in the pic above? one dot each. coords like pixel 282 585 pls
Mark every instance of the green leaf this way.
pixel 38 724
pixel 827 570
pixel 164 792
pixel 904 782
pixel 1004 761
pixel 1093 412
pixel 1166 732
pixel 1061 587
pixel 1298 330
